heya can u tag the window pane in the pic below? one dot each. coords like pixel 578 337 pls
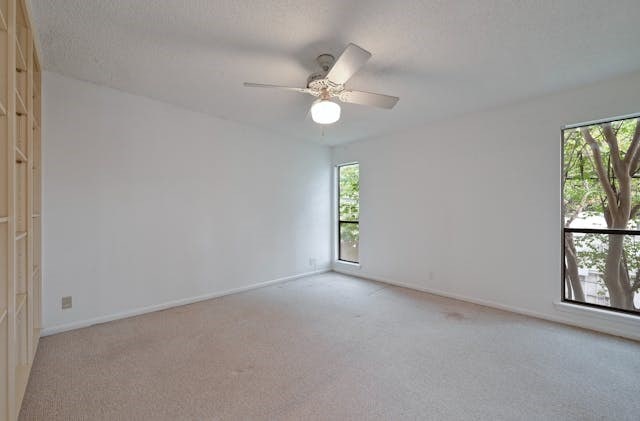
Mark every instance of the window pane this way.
pixel 590 178
pixel 349 241
pixel 601 196
pixel 349 185
pixel 588 274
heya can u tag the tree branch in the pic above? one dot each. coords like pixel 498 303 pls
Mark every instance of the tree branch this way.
pixel 620 166
pixel 612 141
pixel 621 171
pixel 607 213
pixel 571 268
pixel 634 150
pixel 600 170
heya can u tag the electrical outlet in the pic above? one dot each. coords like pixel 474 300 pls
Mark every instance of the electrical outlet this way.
pixel 66 302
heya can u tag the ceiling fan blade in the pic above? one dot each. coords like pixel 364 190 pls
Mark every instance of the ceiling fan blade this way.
pixel 368 98
pixel 261 85
pixel 349 62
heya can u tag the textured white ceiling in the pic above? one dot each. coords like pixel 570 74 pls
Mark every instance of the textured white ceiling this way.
pixel 441 57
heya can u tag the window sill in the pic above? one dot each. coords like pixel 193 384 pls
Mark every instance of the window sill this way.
pixel 348 264
pixel 609 316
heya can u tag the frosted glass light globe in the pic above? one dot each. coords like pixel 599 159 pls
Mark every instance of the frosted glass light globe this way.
pixel 324 111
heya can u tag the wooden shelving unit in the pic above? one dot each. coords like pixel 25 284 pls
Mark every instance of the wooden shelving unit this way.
pixel 20 203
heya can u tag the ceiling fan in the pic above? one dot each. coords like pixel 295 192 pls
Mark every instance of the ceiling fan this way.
pixel 329 83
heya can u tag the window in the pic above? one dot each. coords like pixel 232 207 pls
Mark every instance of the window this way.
pixel 601 214
pixel 348 212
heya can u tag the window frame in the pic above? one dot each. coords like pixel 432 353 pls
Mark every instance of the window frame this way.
pixel 564 230
pixel 340 221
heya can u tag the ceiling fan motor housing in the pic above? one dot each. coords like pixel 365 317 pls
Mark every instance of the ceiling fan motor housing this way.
pixel 318 81
pixel 325 61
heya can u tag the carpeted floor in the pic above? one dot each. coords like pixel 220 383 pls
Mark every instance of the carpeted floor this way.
pixel 332 347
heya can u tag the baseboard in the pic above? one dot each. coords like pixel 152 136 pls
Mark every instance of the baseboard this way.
pixel 628 333
pixel 169 304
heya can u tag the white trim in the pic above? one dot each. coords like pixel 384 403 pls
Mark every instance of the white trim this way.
pixel 352 265
pixel 52 330
pixel 599 121
pixel 335 205
pixel 602 314
pixel 347 163
pixel 612 325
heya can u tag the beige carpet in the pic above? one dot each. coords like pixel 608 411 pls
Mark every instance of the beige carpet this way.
pixel 332 347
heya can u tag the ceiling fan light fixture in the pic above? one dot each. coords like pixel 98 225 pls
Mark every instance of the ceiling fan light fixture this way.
pixel 324 111
pixel 329 84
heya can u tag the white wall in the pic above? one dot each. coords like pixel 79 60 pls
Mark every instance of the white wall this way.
pixel 470 207
pixel 146 203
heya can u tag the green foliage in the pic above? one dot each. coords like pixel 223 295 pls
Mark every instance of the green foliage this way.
pixel 593 250
pixel 349 182
pixel 349 235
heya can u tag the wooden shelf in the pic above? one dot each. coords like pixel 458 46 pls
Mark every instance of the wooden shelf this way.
pixel 20 300
pixel 3 21
pixel 22 377
pixel 21 63
pixel 21 155
pixel 22 196
pixel 36 339
pixel 21 109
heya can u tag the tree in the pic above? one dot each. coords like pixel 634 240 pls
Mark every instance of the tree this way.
pixel 349 202
pixel 600 178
